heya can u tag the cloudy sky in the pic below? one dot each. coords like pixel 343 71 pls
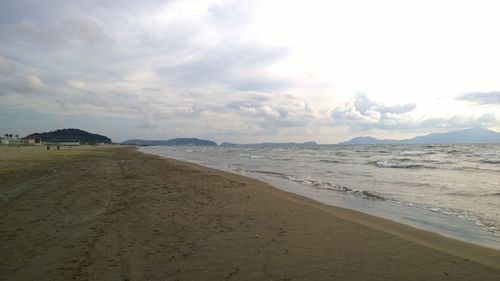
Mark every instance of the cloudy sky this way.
pixel 249 71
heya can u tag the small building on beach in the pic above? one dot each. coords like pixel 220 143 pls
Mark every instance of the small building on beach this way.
pixel 9 139
pixel 34 141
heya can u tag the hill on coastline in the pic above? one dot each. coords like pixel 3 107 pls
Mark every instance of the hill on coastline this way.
pixel 467 136
pixel 70 135
pixel 177 141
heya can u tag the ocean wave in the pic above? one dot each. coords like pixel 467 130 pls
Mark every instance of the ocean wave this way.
pixel 472 168
pixel 334 187
pixel 269 173
pixel 329 161
pixel 482 222
pixel 468 194
pixel 371 194
pixel 326 185
pixel 490 161
pixel 486 154
pixel 387 164
pixel 252 156
pixel 404 159
pixel 415 153
pixel 463 194
pixel 236 169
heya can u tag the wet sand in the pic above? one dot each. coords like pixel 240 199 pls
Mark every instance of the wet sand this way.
pixel 113 213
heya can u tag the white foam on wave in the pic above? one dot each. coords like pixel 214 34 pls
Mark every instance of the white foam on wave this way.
pixel 484 223
pixel 387 164
pixel 252 156
pixel 414 153
pixel 490 161
pixel 316 184
pixel 486 154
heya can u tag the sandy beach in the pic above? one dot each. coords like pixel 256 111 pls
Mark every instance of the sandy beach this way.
pixel 113 213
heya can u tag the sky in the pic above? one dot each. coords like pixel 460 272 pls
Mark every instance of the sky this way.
pixel 249 71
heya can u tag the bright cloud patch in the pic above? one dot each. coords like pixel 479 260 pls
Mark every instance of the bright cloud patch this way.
pixel 482 97
pixel 363 110
pixel 362 113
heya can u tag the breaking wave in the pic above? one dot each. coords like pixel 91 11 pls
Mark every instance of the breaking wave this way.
pixel 330 161
pixel 491 161
pixel 483 223
pixel 325 185
pixel 415 153
pixel 387 164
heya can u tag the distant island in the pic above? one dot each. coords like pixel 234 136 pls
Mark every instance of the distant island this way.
pixel 467 136
pixel 70 135
pixel 177 141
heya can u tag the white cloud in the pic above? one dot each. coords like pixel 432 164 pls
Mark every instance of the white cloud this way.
pixel 251 67
pixel 361 114
pixel 492 98
pixel 6 67
pixel 15 80
pixel 362 110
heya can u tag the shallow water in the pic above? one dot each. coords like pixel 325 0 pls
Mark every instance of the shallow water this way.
pixel 451 189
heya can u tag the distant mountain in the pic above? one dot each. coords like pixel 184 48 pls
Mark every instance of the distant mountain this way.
pixel 473 135
pixel 369 140
pixel 70 135
pixel 178 141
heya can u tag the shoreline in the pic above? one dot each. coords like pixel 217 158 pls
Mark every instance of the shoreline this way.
pixel 450 226
pixel 446 225
pixel 417 235
pixel 115 212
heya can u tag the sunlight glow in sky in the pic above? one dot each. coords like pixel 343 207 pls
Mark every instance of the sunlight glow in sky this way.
pixel 249 71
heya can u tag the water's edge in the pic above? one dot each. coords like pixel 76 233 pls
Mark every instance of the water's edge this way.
pixel 425 219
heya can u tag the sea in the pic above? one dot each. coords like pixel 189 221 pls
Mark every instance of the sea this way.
pixel 453 190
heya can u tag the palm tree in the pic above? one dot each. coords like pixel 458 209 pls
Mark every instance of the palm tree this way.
pixel 17 137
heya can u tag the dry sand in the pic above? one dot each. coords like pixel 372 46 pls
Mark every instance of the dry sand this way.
pixel 112 213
